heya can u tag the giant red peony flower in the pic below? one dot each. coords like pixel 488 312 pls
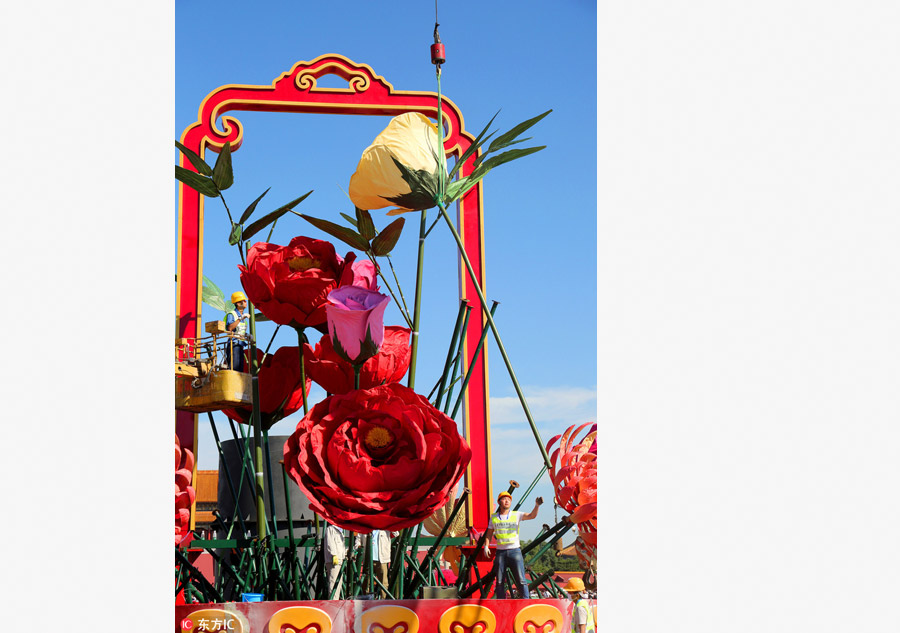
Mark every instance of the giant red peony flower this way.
pixel 335 375
pixel 379 458
pixel 290 284
pixel 279 388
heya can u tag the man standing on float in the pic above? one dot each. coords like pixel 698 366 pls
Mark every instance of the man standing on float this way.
pixel 505 527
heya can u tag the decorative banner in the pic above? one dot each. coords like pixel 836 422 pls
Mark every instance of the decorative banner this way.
pixel 361 616
pixel 366 94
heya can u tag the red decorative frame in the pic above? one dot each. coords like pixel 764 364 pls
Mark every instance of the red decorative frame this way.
pixel 366 94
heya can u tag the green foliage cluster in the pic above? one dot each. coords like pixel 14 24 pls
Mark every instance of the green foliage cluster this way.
pixel 549 561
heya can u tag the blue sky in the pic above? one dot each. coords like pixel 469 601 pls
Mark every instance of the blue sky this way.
pixel 540 222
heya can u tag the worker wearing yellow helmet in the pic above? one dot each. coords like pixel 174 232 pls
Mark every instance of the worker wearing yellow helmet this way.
pixel 582 619
pixel 505 527
pixel 236 323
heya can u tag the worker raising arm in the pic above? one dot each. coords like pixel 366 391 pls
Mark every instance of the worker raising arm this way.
pixel 505 527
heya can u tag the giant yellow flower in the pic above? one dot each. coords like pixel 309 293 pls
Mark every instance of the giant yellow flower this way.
pixel 412 140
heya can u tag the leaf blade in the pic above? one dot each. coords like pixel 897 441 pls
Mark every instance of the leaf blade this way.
pixel 201 184
pixel 222 174
pixel 348 236
pixel 504 139
pixel 249 210
pixel 199 164
pixel 364 224
pixel 270 217
pixel 385 241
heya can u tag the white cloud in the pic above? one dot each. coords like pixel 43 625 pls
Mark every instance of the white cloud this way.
pixel 550 406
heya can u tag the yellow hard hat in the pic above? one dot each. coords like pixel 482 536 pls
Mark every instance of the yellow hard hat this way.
pixel 503 494
pixel 238 296
pixel 573 585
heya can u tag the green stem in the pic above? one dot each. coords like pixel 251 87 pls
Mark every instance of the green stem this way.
pixel 414 348
pixel 399 287
pixel 531 487
pixel 271 340
pixel 356 370
pixel 448 363
pixel 469 371
pixel 403 309
pixel 457 363
pixel 490 320
pixel 290 522
pixel 301 339
pixel 257 420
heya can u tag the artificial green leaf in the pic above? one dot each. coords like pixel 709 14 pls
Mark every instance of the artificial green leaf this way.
pixel 249 210
pixel 259 316
pixel 412 177
pixel 198 163
pixel 512 154
pixel 423 188
pixel 235 236
pixel 479 160
pixel 413 201
pixel 364 224
pixel 213 296
pixel 350 220
pixel 479 140
pixel 222 174
pixel 267 219
pixel 504 139
pixel 459 188
pixel 385 241
pixel 348 236
pixel 195 181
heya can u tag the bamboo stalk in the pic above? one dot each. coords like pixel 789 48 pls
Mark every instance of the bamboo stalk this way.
pixel 417 313
pixel 460 316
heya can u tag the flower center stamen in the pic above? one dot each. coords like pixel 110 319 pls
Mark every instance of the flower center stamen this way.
pixel 378 437
pixel 303 263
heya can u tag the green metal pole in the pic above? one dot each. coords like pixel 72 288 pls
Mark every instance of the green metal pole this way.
pixel 370 573
pixel 234 495
pixel 290 521
pixel 469 371
pixel 397 564
pixel 257 425
pixel 270 482
pixel 417 313
pixel 301 339
pixel 430 555
pixel 247 459
pixel 460 317
pixel 415 550
pixel 496 332
pixel 531 487
pixel 458 356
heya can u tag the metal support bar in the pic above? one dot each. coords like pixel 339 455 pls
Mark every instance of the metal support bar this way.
pixel 464 309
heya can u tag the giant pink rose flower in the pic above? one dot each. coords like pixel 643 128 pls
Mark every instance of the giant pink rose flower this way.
pixel 290 284
pixel 380 458
pixel 335 375
pixel 356 322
